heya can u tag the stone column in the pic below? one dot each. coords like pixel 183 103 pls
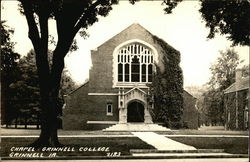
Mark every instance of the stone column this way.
pixel 147 116
pixel 238 76
pixel 121 106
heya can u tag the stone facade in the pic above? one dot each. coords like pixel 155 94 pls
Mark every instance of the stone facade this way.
pixel 236 104
pixel 103 100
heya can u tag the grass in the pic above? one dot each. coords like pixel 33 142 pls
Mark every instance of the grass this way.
pixel 229 144
pixel 12 131
pixel 121 144
pixel 236 145
pixel 32 131
pixel 204 132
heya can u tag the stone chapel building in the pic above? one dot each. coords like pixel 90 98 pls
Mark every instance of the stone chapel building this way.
pixel 117 88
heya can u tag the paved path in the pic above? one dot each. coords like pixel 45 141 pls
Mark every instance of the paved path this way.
pixel 160 142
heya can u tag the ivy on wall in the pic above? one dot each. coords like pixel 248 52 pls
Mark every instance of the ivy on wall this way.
pixel 167 87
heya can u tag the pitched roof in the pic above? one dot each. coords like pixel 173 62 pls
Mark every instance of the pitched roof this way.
pixel 243 84
pixel 184 91
pixel 84 84
pixel 131 27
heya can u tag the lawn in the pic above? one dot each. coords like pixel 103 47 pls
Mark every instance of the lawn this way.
pixel 120 145
pixel 229 144
pixel 21 131
pixel 203 132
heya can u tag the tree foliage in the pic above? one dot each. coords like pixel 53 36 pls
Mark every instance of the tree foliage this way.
pixel 213 107
pixel 167 88
pixel 228 17
pixel 9 73
pixel 245 70
pixel 25 90
pixel 223 75
pixel 223 70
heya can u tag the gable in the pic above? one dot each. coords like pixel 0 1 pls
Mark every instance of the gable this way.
pixel 135 33
pixel 131 32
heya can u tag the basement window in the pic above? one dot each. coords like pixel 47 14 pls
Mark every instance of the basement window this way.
pixel 109 109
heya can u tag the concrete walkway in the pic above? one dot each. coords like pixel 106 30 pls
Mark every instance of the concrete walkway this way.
pixel 160 142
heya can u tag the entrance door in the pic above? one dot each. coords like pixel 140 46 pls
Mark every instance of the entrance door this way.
pixel 135 112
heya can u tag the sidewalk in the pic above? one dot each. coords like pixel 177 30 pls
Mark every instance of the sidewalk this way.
pixel 160 142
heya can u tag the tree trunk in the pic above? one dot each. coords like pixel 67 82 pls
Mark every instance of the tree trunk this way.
pixel 49 80
pixel 50 103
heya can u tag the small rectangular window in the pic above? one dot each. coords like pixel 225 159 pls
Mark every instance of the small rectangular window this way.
pixel 109 109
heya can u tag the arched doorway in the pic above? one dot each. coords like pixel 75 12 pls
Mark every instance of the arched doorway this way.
pixel 135 112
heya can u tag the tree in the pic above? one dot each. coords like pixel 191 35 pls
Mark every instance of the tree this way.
pixel 70 17
pixel 223 70
pixel 67 84
pixel 245 70
pixel 9 73
pixel 227 17
pixel 213 107
pixel 223 75
pixel 25 90
pixel 198 93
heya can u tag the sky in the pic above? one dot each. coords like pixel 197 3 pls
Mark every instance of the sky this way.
pixel 184 30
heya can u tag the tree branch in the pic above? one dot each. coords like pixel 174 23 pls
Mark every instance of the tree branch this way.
pixel 84 16
pixel 33 30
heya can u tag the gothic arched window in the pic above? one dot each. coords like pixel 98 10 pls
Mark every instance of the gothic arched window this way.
pixel 135 63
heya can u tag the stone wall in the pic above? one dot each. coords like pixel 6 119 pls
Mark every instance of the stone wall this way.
pixel 190 114
pixel 230 108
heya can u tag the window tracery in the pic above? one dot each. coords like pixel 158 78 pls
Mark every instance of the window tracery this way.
pixel 135 63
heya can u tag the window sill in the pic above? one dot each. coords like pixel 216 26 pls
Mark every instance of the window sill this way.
pixel 131 84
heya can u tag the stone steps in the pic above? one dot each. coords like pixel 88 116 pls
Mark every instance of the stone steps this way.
pixel 189 155
pixel 140 127
pixel 143 151
pixel 199 153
